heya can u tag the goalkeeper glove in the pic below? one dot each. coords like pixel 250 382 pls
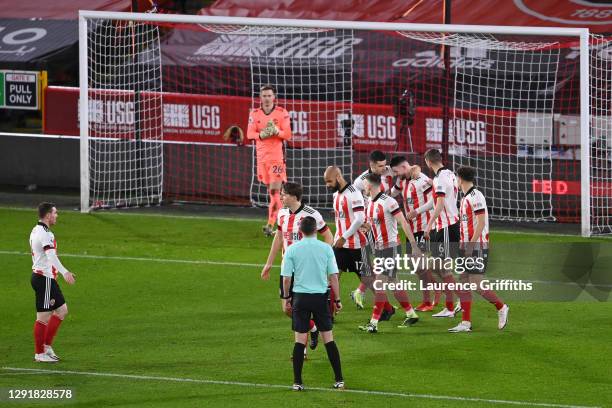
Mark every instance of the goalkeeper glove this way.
pixel 264 134
pixel 272 129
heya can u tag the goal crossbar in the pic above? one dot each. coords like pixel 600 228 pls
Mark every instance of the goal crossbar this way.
pixel 333 24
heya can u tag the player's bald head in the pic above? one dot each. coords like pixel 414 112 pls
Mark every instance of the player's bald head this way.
pixel 333 178
pixel 332 172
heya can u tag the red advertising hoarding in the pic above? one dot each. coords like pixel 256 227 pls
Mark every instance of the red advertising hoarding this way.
pixel 204 119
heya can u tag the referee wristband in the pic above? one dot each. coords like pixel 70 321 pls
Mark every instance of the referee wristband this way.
pixel 337 301
pixel 286 298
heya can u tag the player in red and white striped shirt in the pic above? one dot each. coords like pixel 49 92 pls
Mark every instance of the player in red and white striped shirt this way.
pixel 416 190
pixel 377 165
pixel 475 244
pixel 51 308
pixel 349 211
pixel 443 224
pixel 288 232
pixel 382 215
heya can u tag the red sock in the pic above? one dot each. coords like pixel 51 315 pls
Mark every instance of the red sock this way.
pixel 423 275
pixel 388 307
pixel 450 299
pixel 406 305
pixel 275 205
pixel 437 296
pixel 465 297
pixel 466 306
pixel 378 308
pixel 492 298
pixel 402 297
pixel 362 287
pixel 39 336
pixel 52 326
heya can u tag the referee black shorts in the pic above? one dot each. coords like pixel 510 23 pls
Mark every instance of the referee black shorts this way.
pixel 307 306
pixel 349 260
pixel 48 294
pixel 444 243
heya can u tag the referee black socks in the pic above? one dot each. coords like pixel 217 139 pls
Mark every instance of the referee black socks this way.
pixel 334 358
pixel 298 362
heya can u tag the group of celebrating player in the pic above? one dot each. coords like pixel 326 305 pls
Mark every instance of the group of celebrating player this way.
pixel 367 216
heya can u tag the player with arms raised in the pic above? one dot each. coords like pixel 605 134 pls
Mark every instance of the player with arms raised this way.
pixel 270 127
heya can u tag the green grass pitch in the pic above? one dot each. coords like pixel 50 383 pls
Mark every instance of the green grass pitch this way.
pixel 170 312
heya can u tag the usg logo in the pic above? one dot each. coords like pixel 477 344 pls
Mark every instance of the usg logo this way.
pixel 460 131
pixel 372 127
pixel 299 123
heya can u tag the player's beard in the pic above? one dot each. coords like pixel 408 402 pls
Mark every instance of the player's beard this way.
pixel 334 188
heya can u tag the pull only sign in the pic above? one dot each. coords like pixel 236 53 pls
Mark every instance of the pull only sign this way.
pixel 19 90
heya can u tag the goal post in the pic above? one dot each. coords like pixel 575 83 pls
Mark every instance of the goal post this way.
pixel 177 169
pixel 585 136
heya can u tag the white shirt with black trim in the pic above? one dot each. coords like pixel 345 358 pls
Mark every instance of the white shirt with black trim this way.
pixel 44 248
pixel 289 223
pixel 445 185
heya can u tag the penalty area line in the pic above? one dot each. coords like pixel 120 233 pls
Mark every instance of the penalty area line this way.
pixel 287 387
pixel 143 259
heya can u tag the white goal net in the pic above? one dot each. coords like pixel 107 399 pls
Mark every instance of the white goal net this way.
pixel 168 100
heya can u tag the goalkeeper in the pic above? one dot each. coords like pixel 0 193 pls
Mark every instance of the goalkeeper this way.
pixel 270 126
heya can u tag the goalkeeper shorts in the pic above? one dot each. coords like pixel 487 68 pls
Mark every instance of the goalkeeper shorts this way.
pixel 271 171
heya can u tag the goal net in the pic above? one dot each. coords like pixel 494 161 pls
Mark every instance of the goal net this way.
pixel 504 101
pixel 600 143
pixel 124 150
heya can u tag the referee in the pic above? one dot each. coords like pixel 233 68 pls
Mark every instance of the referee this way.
pixel 311 263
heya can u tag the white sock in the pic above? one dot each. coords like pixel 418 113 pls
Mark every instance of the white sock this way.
pixel 374 321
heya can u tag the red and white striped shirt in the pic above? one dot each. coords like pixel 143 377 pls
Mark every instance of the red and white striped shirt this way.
pixel 416 193
pixel 347 202
pixel 386 178
pixel 380 214
pixel 289 223
pixel 445 185
pixel 472 205
pixel 42 240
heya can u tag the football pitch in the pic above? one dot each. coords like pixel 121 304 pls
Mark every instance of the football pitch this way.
pixel 170 312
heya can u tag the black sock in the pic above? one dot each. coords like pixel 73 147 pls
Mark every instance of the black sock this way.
pixel 334 358
pixel 298 362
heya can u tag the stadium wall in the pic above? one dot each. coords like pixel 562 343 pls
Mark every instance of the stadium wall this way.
pixel 44 161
